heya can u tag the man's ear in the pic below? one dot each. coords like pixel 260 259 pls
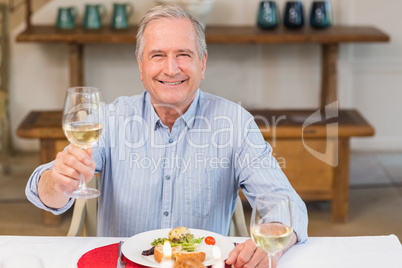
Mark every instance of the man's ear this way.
pixel 140 66
pixel 204 65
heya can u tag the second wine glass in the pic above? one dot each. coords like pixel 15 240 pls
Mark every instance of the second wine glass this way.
pixel 82 125
pixel 271 223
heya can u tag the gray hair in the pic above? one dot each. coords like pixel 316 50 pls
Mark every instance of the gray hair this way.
pixel 169 11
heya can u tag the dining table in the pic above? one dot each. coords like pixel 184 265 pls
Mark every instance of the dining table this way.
pixel 317 252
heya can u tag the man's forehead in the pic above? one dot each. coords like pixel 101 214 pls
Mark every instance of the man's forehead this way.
pixel 171 30
pixel 165 23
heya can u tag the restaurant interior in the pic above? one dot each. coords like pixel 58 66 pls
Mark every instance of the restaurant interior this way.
pixel 350 179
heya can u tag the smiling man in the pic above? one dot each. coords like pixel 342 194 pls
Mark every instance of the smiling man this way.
pixel 174 155
pixel 171 68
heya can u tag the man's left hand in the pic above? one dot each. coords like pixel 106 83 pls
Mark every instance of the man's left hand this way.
pixel 247 255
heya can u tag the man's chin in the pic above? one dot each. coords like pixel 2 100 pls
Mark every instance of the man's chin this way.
pixel 169 103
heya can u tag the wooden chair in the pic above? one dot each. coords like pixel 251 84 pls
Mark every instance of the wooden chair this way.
pixel 84 220
pixel 238 226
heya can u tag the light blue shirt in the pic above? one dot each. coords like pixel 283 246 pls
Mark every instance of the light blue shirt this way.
pixel 152 178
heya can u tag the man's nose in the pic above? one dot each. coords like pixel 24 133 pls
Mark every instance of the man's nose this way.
pixel 171 66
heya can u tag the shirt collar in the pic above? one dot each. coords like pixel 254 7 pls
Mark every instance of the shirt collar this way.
pixel 188 117
pixel 152 115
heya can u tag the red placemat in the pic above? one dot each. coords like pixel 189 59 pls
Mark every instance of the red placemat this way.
pixel 105 256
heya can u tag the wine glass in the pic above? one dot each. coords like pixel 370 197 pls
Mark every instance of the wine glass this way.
pixel 271 223
pixel 82 125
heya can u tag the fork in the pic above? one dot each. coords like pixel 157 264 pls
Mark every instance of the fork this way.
pixel 120 263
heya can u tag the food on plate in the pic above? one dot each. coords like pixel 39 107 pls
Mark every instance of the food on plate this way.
pixel 148 252
pixel 179 233
pixel 188 263
pixel 200 255
pixel 158 252
pixel 209 240
pixel 178 253
pixel 183 245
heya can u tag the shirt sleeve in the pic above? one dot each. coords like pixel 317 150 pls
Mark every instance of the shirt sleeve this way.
pixel 258 171
pixel 31 191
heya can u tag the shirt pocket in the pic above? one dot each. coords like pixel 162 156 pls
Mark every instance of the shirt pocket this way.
pixel 202 193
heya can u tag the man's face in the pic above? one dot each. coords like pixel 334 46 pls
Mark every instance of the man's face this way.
pixel 171 68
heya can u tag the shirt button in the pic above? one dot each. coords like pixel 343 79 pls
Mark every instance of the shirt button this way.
pixel 166 213
pixel 167 177
pixel 170 140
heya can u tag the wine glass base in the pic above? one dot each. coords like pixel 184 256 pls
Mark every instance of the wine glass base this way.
pixel 88 193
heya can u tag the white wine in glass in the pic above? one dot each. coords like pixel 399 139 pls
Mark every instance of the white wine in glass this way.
pixel 271 223
pixel 82 125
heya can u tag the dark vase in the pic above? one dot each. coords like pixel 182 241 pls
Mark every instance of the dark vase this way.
pixel 294 15
pixel 321 14
pixel 268 15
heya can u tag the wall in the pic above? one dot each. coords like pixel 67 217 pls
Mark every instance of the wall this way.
pixel 370 75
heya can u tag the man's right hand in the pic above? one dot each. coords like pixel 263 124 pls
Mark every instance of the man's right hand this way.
pixel 65 175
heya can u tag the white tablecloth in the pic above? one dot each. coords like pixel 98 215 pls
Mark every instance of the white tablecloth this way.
pixel 318 252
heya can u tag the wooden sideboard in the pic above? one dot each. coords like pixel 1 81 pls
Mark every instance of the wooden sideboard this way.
pixel 313 147
pixel 334 186
pixel 45 126
pixel 329 39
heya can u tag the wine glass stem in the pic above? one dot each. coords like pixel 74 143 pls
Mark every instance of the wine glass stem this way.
pixel 82 186
pixel 269 261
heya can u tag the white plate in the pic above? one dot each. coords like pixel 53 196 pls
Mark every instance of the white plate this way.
pixel 135 245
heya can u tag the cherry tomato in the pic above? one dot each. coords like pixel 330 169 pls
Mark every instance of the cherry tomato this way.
pixel 209 240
